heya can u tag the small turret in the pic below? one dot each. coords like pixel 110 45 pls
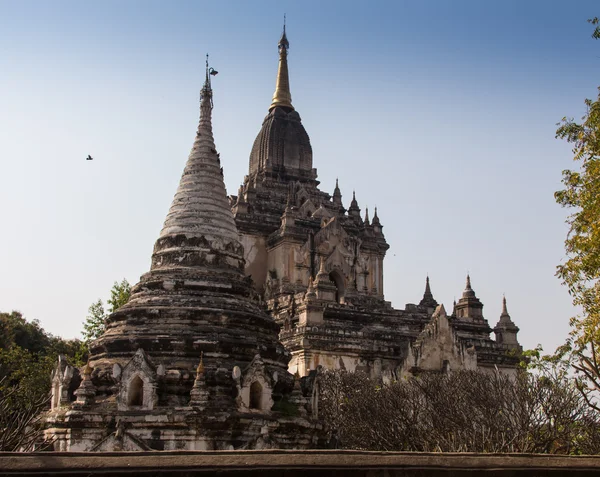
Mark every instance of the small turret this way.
pixel 86 392
pixel 199 393
pixel 428 301
pixel 367 223
pixel 375 218
pixel 325 289
pixel 354 210
pixel 337 196
pixel 469 307
pixel 505 330
pixel 469 292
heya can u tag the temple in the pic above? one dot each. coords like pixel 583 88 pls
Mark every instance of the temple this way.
pixel 246 297
pixel 318 266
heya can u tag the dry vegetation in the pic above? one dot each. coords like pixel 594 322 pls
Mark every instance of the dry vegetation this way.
pixel 459 412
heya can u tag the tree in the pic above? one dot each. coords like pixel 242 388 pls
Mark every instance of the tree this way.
pixel 27 356
pixel 581 271
pixel 95 322
pixel 119 295
pixel 464 411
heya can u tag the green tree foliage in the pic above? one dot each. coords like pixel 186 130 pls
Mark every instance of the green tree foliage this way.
pixel 119 295
pixel 581 270
pixel 27 356
pixel 95 322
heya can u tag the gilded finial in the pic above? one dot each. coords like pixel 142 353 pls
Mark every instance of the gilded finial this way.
pixel 282 96
pixel 200 368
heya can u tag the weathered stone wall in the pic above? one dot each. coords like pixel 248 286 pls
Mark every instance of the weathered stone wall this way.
pixel 292 464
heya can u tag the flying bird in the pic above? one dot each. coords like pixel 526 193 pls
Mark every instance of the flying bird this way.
pixel 89 158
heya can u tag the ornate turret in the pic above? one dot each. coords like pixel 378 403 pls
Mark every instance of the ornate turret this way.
pixel 354 210
pixel 428 301
pixel 469 307
pixel 376 218
pixel 505 330
pixel 337 198
pixel 282 148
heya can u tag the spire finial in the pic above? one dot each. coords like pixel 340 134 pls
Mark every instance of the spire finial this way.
pixel 200 368
pixel 468 287
pixel 504 309
pixel 282 96
pixel 366 215
pixel 207 88
pixel 427 286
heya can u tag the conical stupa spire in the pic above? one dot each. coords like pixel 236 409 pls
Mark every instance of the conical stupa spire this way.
pixel 505 319
pixel 200 206
pixel 282 96
pixel 428 299
pixel 469 292
pixel 366 216
pixel 337 195
pixel 336 191
pixel 375 218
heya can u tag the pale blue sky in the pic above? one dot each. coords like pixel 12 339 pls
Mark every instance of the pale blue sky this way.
pixel 442 114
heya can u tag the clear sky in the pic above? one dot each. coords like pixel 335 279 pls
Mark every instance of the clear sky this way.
pixel 440 113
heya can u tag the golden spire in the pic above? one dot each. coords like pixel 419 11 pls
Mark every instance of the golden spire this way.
pixel 200 368
pixel 282 96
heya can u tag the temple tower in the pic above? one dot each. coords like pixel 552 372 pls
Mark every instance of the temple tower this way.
pixel 144 387
pixel 506 331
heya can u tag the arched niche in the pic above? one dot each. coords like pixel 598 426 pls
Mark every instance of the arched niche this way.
pixel 340 288
pixel 256 394
pixel 135 394
pixel 138 381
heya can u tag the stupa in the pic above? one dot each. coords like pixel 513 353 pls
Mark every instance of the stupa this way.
pixel 192 361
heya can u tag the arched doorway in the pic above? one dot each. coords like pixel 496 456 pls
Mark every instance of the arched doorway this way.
pixel 338 280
